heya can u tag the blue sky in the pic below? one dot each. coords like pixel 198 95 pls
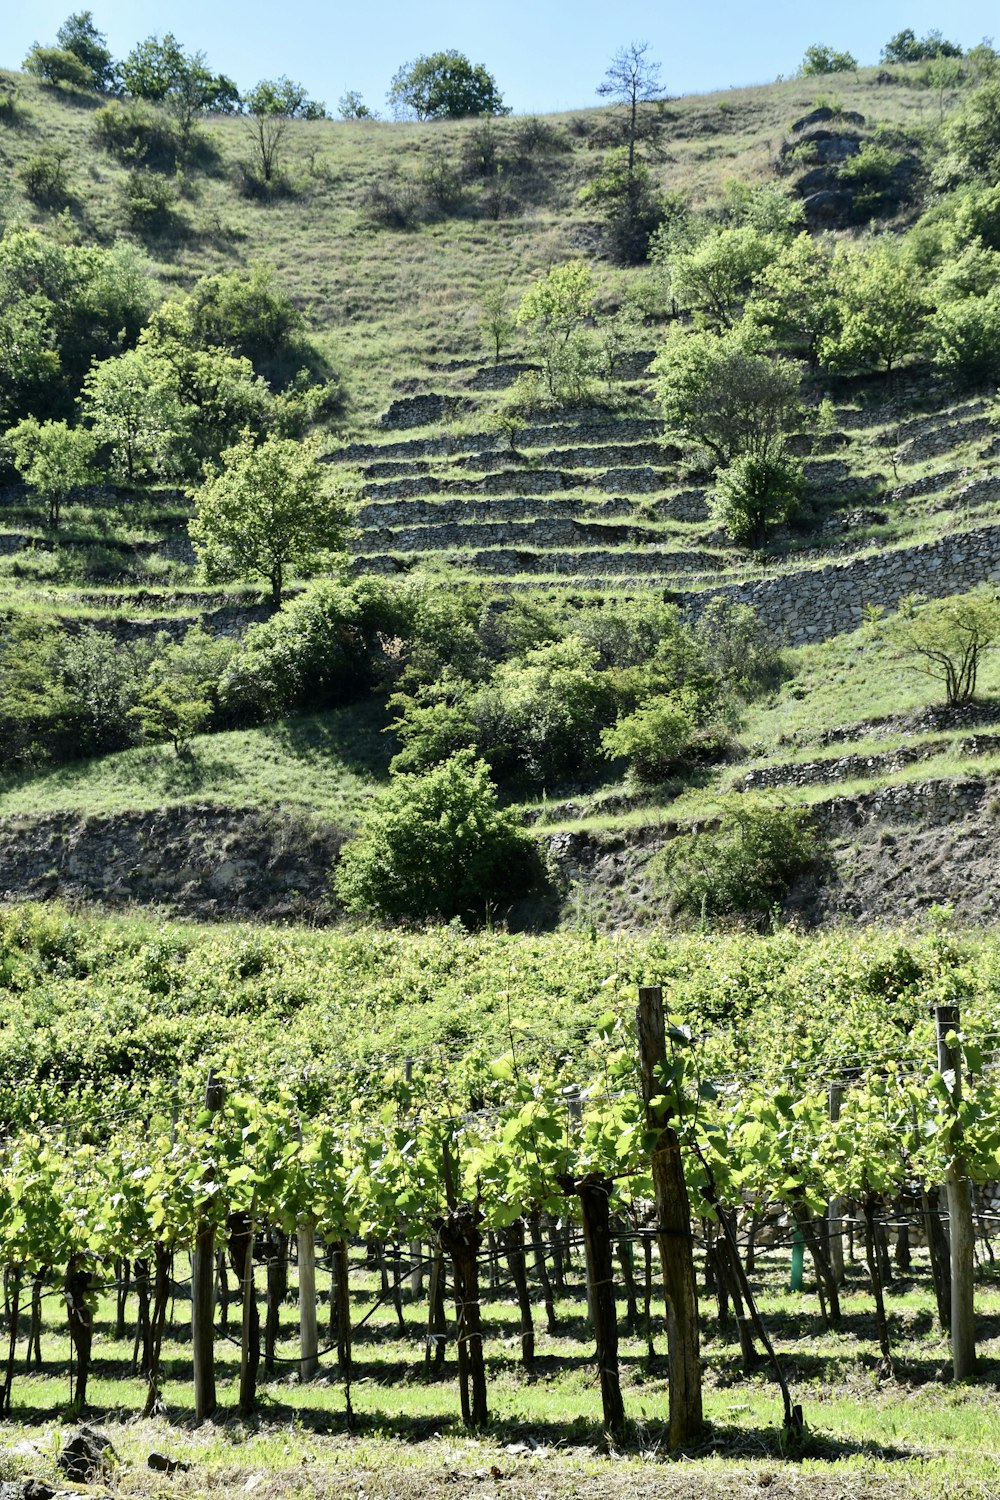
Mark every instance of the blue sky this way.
pixel 544 54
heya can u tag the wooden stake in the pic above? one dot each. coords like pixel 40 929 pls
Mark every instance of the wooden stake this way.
pixel 308 1329
pixel 673 1211
pixel 962 1234
pixel 835 1213
pixel 203 1295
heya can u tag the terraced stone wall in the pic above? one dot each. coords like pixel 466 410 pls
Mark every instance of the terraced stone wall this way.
pixel 817 603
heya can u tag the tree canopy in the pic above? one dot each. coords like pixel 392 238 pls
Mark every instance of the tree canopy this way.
pixel 444 86
pixel 267 508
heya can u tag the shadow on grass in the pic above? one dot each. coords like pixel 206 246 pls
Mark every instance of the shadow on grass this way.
pixel 353 735
pixel 648 1438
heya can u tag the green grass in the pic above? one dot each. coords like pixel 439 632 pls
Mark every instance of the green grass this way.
pixel 326 763
pixel 865 1435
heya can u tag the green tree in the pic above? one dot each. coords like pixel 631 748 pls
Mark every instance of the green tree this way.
pixel 972 137
pixel 945 639
pixel 243 313
pixel 103 678
pixel 153 68
pixel 281 96
pixel 754 492
pixel 633 78
pixel 79 34
pixel 268 508
pixel 159 71
pixel 965 340
pixel 444 86
pixel 795 299
pixel 883 306
pixel 172 706
pixel 725 393
pixel 905 47
pixel 53 459
pixel 496 319
pixel 58 66
pixel 351 106
pixel 216 396
pixel 631 204
pixel 438 846
pixel 132 407
pixel 715 277
pixel 820 59
pixel 554 310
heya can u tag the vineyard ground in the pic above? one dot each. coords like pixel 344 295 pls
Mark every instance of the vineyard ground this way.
pixel 917 1436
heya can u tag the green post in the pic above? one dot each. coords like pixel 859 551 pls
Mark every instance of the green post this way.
pixel 798 1258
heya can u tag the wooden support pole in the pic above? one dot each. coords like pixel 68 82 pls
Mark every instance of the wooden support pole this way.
pixel 673 1212
pixel 962 1233
pixel 308 1328
pixel 835 1212
pixel 203 1294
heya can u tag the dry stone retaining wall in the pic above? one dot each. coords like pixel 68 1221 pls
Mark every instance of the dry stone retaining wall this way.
pixel 817 603
pixel 199 861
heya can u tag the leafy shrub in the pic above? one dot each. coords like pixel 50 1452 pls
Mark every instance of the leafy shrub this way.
pixel 44 177
pixel 966 340
pixel 737 647
pixel 441 183
pixel 438 846
pixel 103 678
pixel 324 648
pixel 630 204
pixel 541 715
pixel 395 203
pixel 9 107
pixel 59 67
pixel 745 867
pixel 819 59
pixel 482 154
pixel 654 738
pixel 873 176
pixel 148 202
pixel 906 47
pixel 538 137
pixel 138 136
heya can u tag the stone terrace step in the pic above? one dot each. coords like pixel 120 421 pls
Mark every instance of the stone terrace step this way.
pixel 635 481
pixel 538 531
pixel 544 435
pixel 606 562
pixel 683 506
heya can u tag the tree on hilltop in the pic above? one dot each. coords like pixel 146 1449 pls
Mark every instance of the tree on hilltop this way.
pixel 444 86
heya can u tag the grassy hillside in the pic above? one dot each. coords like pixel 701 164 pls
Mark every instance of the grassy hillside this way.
pixel 388 236
pixel 390 307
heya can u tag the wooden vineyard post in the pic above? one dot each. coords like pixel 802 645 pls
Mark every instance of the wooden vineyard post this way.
pixel 308 1330
pixel 962 1232
pixel 416 1248
pixel 203 1295
pixel 835 1212
pixel 308 1323
pixel 673 1213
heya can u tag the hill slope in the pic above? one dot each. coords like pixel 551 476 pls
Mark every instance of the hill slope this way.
pixel 387 237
